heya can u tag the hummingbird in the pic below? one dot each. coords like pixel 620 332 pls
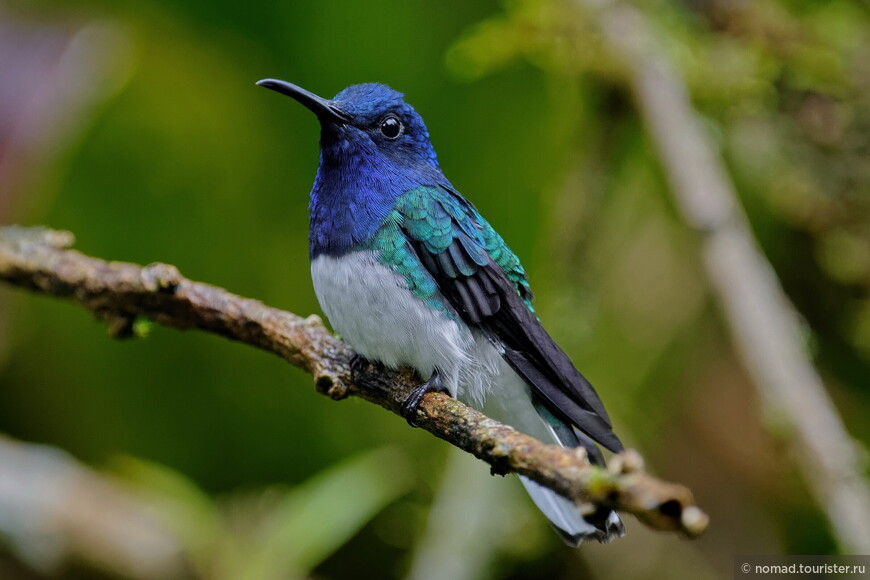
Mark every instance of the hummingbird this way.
pixel 409 273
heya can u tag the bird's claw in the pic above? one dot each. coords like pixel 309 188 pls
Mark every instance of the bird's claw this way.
pixel 415 397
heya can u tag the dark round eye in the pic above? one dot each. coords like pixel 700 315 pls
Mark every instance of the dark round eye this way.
pixel 392 127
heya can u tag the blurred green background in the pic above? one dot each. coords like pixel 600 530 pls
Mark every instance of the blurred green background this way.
pixel 137 126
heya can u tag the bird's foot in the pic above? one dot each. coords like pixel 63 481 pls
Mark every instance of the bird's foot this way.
pixel 415 397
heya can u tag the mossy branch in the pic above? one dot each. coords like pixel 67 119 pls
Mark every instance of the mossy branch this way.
pixel 40 260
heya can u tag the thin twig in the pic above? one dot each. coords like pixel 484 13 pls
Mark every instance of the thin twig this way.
pixel 53 509
pixel 38 259
pixel 763 322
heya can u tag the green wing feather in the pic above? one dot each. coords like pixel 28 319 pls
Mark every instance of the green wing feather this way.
pixel 455 261
pixel 435 218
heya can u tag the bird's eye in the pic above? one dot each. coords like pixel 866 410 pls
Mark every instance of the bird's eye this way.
pixel 392 127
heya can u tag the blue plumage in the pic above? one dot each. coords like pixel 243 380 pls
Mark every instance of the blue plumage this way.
pixel 410 273
pixel 352 193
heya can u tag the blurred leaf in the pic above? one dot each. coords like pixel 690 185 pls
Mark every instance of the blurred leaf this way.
pixel 316 518
pixel 142 327
pixel 272 534
pixel 189 511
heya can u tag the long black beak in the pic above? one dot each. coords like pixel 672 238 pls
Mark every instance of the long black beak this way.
pixel 323 108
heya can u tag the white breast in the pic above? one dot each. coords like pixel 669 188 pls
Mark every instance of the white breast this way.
pixel 371 307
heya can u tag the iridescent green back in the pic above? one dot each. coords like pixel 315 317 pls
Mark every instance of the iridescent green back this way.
pixel 435 217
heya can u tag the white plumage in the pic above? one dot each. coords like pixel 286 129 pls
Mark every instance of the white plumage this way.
pixel 371 307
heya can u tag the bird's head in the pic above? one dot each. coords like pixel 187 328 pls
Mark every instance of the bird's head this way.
pixel 369 120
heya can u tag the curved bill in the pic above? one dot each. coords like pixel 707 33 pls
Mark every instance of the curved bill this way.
pixel 323 108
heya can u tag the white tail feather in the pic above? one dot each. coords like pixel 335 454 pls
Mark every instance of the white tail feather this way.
pixel 510 402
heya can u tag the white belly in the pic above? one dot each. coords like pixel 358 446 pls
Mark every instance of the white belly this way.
pixel 371 307
pixel 375 312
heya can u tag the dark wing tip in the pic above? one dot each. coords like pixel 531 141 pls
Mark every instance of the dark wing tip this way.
pixel 561 403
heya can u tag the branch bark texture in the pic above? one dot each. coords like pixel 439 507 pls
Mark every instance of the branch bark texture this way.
pixel 40 260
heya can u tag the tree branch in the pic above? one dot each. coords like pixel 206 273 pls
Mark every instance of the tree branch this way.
pixel 53 510
pixel 119 292
pixel 763 322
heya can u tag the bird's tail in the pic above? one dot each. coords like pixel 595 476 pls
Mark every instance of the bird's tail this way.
pixel 510 401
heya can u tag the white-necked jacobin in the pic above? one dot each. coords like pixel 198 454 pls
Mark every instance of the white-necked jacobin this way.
pixel 409 273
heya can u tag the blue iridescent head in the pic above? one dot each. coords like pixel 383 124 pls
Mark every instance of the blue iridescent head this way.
pixel 373 148
pixel 370 118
